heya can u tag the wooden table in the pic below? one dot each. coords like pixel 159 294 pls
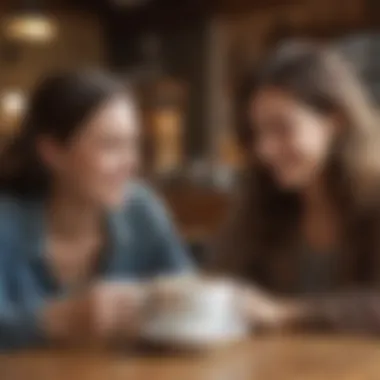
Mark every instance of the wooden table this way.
pixel 277 358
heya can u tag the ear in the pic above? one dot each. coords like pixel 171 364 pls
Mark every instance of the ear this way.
pixel 49 151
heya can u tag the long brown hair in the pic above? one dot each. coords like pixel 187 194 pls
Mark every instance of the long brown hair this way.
pixel 266 218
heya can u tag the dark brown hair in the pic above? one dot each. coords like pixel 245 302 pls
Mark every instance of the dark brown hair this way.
pixel 266 218
pixel 58 107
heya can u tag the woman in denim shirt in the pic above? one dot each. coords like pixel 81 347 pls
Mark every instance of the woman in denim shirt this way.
pixel 73 222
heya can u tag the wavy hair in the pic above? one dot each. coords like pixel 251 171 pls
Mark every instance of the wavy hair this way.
pixel 266 218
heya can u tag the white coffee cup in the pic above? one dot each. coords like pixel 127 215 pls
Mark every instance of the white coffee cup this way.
pixel 197 312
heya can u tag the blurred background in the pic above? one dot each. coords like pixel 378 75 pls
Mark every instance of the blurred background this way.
pixel 184 57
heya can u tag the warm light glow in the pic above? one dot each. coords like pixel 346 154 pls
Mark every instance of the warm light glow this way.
pixel 12 103
pixel 168 128
pixel 12 107
pixel 30 27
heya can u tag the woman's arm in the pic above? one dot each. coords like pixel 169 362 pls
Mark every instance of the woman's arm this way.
pixel 348 312
pixel 170 255
pixel 34 323
pixel 357 311
pixel 19 326
pixel 104 313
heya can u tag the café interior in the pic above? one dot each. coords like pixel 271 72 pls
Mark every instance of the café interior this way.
pixel 184 58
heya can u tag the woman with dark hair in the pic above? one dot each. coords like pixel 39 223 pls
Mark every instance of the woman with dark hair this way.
pixel 73 221
pixel 307 224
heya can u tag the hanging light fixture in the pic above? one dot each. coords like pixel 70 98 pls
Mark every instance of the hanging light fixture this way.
pixel 28 23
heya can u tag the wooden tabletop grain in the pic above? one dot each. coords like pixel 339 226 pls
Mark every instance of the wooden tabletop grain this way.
pixel 274 358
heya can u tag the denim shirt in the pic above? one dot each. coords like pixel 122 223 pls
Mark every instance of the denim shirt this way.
pixel 141 243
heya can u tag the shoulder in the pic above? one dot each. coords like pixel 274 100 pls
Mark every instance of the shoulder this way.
pixel 143 200
pixel 144 210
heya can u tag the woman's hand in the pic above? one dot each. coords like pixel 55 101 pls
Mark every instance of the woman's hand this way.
pixel 267 312
pixel 118 309
pixel 169 291
pixel 68 319
pixel 106 312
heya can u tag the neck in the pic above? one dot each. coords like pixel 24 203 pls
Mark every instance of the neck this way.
pixel 72 216
pixel 316 195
